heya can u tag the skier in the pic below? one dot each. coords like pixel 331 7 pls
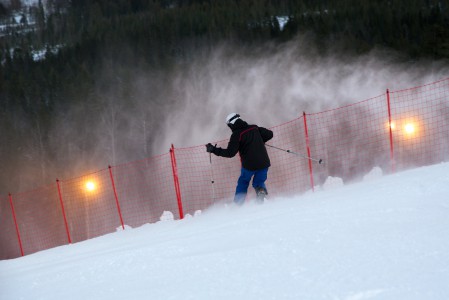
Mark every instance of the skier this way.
pixel 249 141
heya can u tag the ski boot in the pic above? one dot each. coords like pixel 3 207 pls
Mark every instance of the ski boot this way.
pixel 261 194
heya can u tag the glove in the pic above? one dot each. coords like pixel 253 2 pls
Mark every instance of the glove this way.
pixel 210 148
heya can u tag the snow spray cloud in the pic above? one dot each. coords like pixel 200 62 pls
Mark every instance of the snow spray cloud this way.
pixel 276 84
pixel 136 113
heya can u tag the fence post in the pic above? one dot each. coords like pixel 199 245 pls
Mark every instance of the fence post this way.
pixel 116 198
pixel 308 151
pixel 176 181
pixel 393 166
pixel 63 212
pixel 15 222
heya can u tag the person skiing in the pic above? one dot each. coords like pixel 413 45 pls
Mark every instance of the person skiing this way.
pixel 249 141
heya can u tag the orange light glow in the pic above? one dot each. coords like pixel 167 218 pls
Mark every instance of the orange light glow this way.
pixel 407 128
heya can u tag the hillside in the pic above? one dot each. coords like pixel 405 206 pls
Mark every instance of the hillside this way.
pixel 384 238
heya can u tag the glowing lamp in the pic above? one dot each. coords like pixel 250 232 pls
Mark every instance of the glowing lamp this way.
pixel 406 128
pixel 409 128
pixel 90 186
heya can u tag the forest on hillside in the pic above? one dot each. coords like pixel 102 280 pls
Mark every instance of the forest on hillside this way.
pixel 100 58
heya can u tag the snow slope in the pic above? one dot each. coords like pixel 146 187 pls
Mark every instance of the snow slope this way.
pixel 384 238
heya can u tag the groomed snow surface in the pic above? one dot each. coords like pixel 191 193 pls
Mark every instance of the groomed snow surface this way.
pixel 384 238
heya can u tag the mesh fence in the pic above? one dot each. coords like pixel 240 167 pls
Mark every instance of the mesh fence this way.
pixel 351 140
pixel 90 206
pixel 420 125
pixel 9 242
pixel 394 131
pixel 40 222
pixel 145 189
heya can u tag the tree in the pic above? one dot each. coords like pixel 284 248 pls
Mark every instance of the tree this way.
pixel 3 10
pixel 15 4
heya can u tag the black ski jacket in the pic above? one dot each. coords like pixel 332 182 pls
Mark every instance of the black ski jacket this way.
pixel 249 141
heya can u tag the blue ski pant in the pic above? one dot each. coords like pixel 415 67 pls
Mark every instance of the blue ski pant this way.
pixel 260 176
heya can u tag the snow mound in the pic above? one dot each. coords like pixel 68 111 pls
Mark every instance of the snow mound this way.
pixel 332 183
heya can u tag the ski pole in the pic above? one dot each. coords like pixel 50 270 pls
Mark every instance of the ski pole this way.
pixel 319 161
pixel 212 175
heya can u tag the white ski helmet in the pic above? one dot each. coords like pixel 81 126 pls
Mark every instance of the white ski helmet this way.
pixel 231 118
